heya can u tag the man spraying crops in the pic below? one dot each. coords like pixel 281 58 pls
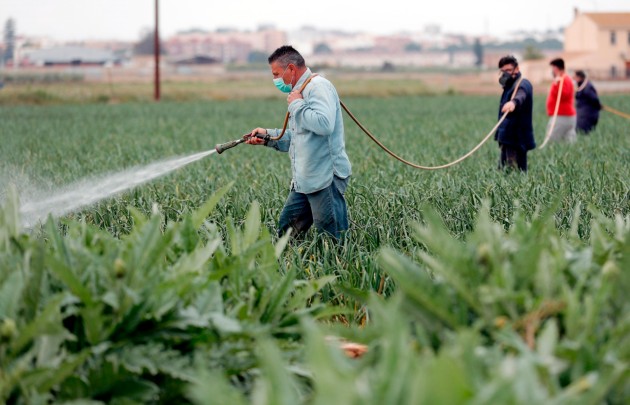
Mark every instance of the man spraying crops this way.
pixel 516 134
pixel 560 102
pixel 314 140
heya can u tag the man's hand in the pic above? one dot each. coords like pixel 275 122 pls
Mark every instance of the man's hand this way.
pixel 508 107
pixel 252 139
pixel 294 95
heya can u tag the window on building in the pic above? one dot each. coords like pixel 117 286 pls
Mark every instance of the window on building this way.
pixel 613 37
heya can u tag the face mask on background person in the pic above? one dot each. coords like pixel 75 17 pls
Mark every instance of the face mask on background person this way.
pixel 281 85
pixel 505 78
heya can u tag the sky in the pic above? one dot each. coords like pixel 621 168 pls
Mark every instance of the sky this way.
pixel 126 19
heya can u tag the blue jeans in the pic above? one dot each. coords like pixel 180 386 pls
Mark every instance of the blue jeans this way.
pixel 326 209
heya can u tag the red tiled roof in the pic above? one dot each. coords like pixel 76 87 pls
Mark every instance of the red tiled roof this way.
pixel 610 20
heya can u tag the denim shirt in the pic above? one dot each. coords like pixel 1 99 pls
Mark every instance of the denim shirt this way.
pixel 314 137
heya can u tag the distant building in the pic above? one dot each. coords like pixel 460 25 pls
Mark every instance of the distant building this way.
pixel 391 43
pixel 307 39
pixel 71 56
pixel 197 60
pixel 223 45
pixel 219 46
pixel 377 60
pixel 599 43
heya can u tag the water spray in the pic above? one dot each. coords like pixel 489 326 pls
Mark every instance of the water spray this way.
pixel 92 190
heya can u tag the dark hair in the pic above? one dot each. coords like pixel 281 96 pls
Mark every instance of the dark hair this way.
pixel 558 62
pixel 508 60
pixel 580 74
pixel 287 54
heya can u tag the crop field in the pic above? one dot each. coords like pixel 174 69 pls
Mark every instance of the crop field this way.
pixel 467 285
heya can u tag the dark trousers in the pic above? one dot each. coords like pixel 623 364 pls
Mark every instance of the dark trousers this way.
pixel 586 125
pixel 513 157
pixel 326 209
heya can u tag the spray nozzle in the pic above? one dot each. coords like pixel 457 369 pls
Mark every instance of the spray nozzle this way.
pixel 222 147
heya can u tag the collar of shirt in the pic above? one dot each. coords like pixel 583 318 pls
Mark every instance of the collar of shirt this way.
pixel 303 78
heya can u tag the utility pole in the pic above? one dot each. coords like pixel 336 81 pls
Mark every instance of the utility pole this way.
pixel 156 51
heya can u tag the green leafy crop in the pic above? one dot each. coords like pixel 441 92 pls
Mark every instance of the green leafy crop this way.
pixel 468 286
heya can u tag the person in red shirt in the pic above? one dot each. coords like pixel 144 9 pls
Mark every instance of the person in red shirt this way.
pixel 564 127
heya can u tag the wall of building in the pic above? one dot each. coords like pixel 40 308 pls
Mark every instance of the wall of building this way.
pixel 588 46
pixel 581 35
pixel 612 57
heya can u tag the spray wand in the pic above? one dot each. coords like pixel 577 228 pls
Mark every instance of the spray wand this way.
pixel 222 147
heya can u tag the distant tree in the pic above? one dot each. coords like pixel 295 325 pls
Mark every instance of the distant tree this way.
pixel 388 67
pixel 146 44
pixel 547 44
pixel 413 47
pixel 478 51
pixel 9 40
pixel 451 49
pixel 193 31
pixel 551 44
pixel 322 49
pixel 257 57
pixel 532 53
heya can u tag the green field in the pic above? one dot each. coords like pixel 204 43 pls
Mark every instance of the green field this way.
pixel 494 287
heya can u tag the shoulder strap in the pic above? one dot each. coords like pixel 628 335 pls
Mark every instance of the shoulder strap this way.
pixel 286 117
pixel 516 87
pixel 306 82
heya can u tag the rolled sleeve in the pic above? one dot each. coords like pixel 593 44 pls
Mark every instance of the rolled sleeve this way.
pixel 281 145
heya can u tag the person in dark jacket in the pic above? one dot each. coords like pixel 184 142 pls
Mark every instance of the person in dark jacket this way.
pixel 516 134
pixel 588 104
